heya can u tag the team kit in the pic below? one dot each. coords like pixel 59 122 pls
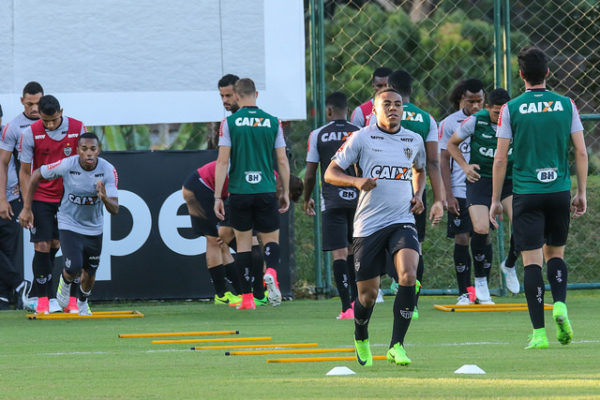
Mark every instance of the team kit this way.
pixel 482 161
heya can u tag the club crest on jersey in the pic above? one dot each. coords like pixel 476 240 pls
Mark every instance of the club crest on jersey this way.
pixel 456 221
pixel 391 173
pixel 253 121
pixel 253 177
pixel 68 150
pixel 408 153
pixel 541 107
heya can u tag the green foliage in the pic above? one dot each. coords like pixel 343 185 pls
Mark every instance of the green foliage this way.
pixel 191 136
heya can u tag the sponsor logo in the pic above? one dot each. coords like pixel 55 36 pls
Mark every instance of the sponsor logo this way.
pixel 407 139
pixel 547 175
pixel 96 258
pixel 73 135
pixel 68 150
pixel 99 175
pixel 347 194
pixel 391 172
pixel 484 151
pixel 541 107
pixel 253 121
pixel 74 172
pixel 377 150
pixel 482 123
pixel 483 135
pixel 83 200
pixel 253 177
pixel 412 116
pixel 40 136
pixel 406 314
pixel 465 147
pixel 334 136
pixel 376 137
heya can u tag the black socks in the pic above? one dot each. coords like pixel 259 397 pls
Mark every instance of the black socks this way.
pixel 462 263
pixel 557 277
pixel 404 304
pixel 340 274
pixel 533 284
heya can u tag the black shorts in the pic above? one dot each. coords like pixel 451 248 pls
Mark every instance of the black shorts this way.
pixel 370 252
pixel 45 225
pixel 459 223
pixel 421 219
pixel 206 199
pixel 336 228
pixel 540 219
pixel 480 192
pixel 80 251
pixel 259 211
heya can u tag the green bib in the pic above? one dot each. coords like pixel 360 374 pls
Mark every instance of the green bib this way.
pixel 484 144
pixel 253 133
pixel 416 120
pixel 541 128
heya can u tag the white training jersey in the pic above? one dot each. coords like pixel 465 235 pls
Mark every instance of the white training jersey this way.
pixel 447 128
pixel 389 157
pixel 9 141
pixel 81 210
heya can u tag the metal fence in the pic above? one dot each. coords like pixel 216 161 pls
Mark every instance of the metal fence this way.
pixel 439 43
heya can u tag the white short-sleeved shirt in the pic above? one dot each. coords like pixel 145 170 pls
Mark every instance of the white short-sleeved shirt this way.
pixel 389 158
pixel 447 128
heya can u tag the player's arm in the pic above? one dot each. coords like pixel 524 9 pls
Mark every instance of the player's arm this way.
pixel 108 192
pixel 336 176
pixel 310 178
pixel 579 202
pixel 283 165
pixel 418 183
pixel 24 178
pixel 220 174
pixel 6 211
pixel 498 175
pixel 447 181
pixel 33 181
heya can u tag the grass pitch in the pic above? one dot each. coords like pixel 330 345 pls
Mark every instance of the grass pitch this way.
pixel 85 359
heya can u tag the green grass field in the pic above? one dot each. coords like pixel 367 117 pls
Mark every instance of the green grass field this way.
pixel 84 359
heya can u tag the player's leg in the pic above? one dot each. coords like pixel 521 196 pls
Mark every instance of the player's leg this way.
pixel 73 253
pixel 459 228
pixel 41 237
pixel 266 222
pixel 227 237
pixel 480 249
pixel 91 261
pixel 507 266
pixel 9 275
pixel 258 271
pixel 421 224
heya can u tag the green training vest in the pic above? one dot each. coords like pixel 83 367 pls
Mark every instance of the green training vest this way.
pixel 484 144
pixel 416 120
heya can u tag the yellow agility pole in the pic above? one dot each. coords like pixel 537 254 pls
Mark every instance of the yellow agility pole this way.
pixel 96 315
pixel 248 339
pixel 484 307
pixel 288 351
pixel 318 359
pixel 167 334
pixel 254 346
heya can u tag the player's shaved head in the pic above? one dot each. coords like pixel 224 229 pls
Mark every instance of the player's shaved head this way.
pixel 244 87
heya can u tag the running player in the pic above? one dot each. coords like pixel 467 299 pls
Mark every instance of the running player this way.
pixel 480 128
pixel 392 160
pixel 10 200
pixel 48 140
pixel 459 222
pixel 541 124
pixel 248 138
pixel 90 184
pixel 362 114
pixel 338 203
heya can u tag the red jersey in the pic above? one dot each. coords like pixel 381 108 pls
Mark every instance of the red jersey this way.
pixel 207 174
pixel 46 151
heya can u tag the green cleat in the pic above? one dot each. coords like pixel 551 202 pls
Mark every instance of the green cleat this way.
pixel 564 332
pixel 538 339
pixel 261 302
pixel 228 298
pixel 418 287
pixel 397 355
pixel 415 314
pixel 363 352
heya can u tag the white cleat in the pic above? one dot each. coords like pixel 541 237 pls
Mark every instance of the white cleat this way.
pixel 463 300
pixel 63 292
pixel 510 275
pixel 482 292
pixel 54 307
pixel 84 308
pixel 379 297
pixel 274 295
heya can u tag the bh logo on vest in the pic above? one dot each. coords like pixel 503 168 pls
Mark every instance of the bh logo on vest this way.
pixel 547 175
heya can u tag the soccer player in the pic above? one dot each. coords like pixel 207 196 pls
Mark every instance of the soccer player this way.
pixel 362 114
pixel 247 139
pixel 392 160
pixel 225 86
pixel 459 222
pixel 541 124
pixel 338 203
pixel 480 128
pixel 46 141
pixel 90 184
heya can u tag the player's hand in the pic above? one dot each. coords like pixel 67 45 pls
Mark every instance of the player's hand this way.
pixel 496 210
pixel 26 218
pixel 417 205
pixel 366 184
pixel 309 207
pixel 284 203
pixel 471 172
pixel 101 190
pixel 578 205
pixel 219 209
pixel 436 213
pixel 6 211
pixel 453 206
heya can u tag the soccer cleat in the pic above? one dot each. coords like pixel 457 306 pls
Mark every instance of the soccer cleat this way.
pixel 538 339
pixel 348 314
pixel 463 299
pixel 227 298
pixel 83 307
pixel 564 331
pixel 261 302
pixel 510 275
pixel 72 308
pixel 363 352
pixel 63 292
pixel 42 306
pixel 471 293
pixel 418 286
pixel 379 297
pixel 482 292
pixel 274 295
pixel 54 306
pixel 415 314
pixel 30 304
pixel 21 293
pixel 247 302
pixel 397 355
